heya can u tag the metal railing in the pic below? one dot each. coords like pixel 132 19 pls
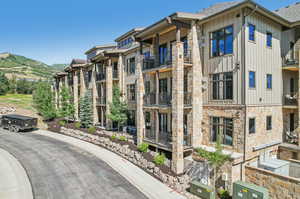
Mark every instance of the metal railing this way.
pixel 101 100
pixel 291 137
pixel 165 98
pixel 150 98
pixel 290 99
pixel 165 138
pixel 149 63
pixel 187 98
pixel 100 76
pixel 293 60
pixel 115 74
pixel 150 134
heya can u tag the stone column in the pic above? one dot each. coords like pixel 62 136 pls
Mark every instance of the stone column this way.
pixel 156 87
pixel 75 94
pixel 66 81
pixel 82 83
pixel 197 104
pixel 109 91
pixel 121 76
pixel 140 121
pixel 94 96
pixel 177 108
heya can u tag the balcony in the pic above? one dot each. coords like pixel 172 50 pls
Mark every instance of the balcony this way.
pixel 165 99
pixel 165 139
pixel 291 64
pixel 188 99
pixel 101 100
pixel 150 135
pixel 115 74
pixel 290 100
pixel 148 63
pixel 150 99
pixel 100 76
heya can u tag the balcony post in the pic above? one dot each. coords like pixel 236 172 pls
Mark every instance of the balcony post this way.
pixel 75 94
pixel 140 121
pixel 82 83
pixel 109 91
pixel 94 96
pixel 177 106
pixel 157 87
pixel 197 98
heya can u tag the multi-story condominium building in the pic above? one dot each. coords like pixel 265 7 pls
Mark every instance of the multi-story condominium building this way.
pixel 228 71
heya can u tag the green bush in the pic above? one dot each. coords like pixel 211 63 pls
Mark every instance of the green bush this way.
pixel 224 194
pixel 143 147
pixel 113 137
pixel 62 122
pixel 77 125
pixel 159 159
pixel 122 138
pixel 92 130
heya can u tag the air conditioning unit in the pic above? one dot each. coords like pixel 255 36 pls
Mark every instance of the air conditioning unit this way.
pixel 202 190
pixel 244 190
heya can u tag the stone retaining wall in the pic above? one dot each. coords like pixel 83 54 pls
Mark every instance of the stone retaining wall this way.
pixel 280 187
pixel 179 183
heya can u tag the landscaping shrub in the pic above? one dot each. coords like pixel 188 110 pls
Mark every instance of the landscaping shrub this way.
pixel 224 194
pixel 85 110
pixel 160 159
pixel 143 147
pixel 92 130
pixel 113 137
pixel 122 138
pixel 77 125
pixel 62 122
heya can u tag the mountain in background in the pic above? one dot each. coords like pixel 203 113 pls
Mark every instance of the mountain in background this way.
pixel 23 67
pixel 59 67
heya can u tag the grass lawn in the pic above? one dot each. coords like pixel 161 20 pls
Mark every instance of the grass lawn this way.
pixel 18 100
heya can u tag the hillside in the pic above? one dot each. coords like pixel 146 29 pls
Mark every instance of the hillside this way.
pixel 59 67
pixel 23 67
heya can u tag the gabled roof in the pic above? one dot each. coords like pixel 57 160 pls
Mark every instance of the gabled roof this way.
pixel 217 8
pixel 104 46
pixel 78 61
pixel 130 32
pixel 290 13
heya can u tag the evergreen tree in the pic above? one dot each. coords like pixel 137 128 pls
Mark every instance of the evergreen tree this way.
pixel 4 84
pixel 118 108
pixel 13 84
pixel 67 109
pixel 43 100
pixel 85 111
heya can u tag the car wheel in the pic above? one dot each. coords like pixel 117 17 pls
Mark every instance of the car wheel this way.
pixel 16 129
pixel 11 128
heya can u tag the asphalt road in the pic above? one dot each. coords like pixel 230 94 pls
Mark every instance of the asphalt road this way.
pixel 58 170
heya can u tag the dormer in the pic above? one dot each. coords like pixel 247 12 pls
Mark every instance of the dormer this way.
pixel 127 40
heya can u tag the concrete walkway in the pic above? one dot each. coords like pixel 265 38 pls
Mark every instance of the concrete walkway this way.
pixel 147 184
pixel 14 182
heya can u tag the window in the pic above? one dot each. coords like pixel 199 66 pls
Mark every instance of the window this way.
pixel 269 39
pixel 147 87
pixel 163 122
pixel 251 32
pixel 269 81
pixel 252 79
pixel 131 118
pixel 163 53
pixel 251 125
pixel 222 128
pixel 185 45
pixel 269 123
pixel 131 65
pixel 222 42
pixel 148 120
pixel 125 42
pixel 163 85
pixel 292 122
pixel 146 55
pixel 222 86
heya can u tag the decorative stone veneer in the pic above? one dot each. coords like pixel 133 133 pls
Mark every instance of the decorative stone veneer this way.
pixel 280 187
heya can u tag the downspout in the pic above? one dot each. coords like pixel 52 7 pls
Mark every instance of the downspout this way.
pixel 243 53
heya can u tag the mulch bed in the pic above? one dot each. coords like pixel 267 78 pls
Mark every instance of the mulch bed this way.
pixel 54 126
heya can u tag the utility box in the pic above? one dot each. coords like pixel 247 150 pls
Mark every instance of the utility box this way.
pixel 202 190
pixel 244 190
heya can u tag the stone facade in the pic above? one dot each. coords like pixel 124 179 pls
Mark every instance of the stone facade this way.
pixel 280 187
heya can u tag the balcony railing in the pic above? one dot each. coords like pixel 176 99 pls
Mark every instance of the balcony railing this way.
pixel 150 134
pixel 100 76
pixel 165 139
pixel 150 98
pixel 290 99
pixel 148 63
pixel 291 137
pixel 165 98
pixel 101 100
pixel 187 98
pixel 187 141
pixel 115 74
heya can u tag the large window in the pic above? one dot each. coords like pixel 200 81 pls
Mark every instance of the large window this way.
pixel 131 92
pixel 222 42
pixel 125 42
pixel 185 45
pixel 251 125
pixel 131 65
pixel 222 128
pixel 163 122
pixel 251 32
pixel 222 86
pixel 269 39
pixel 163 54
pixel 252 79
pixel 269 81
pixel 131 118
pixel 148 120
pixel 163 85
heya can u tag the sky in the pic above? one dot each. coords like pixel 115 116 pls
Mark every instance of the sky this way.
pixel 56 31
